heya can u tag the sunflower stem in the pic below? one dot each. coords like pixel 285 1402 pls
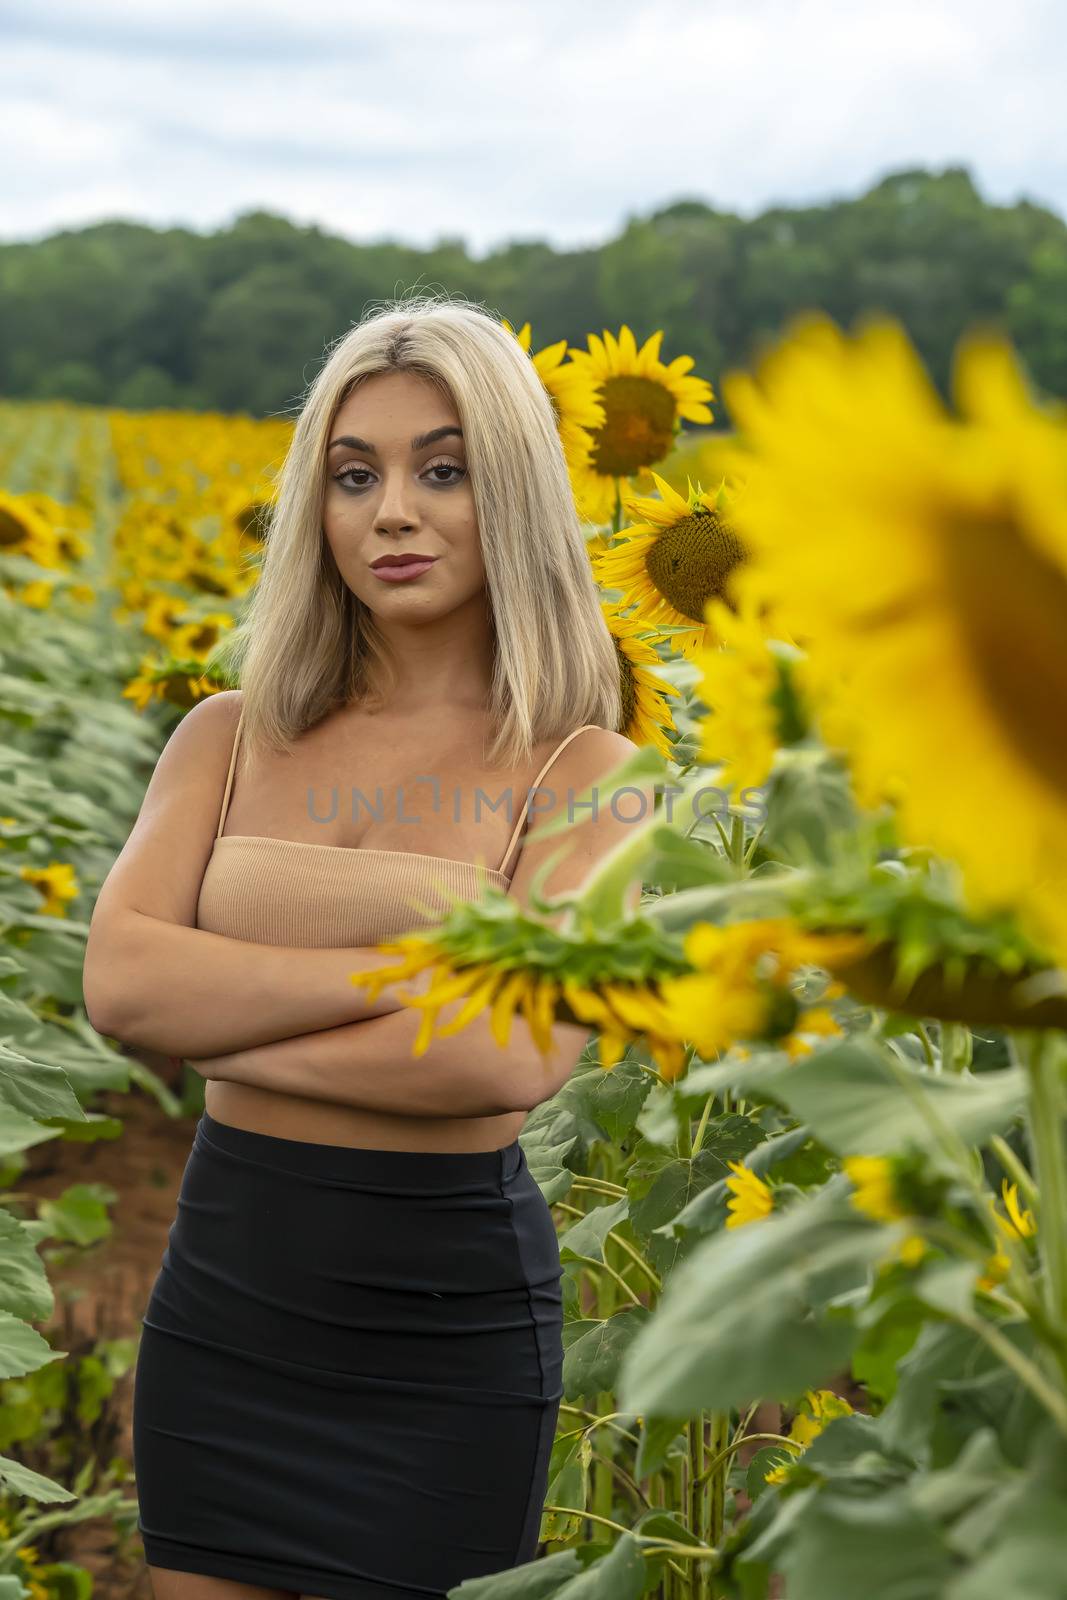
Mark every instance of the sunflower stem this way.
pixel 1014 1168
pixel 737 840
pixel 928 1049
pixel 957 1046
pixel 700 1499
pixel 715 1530
pixel 691 1509
pixel 1042 1051
pixel 698 1139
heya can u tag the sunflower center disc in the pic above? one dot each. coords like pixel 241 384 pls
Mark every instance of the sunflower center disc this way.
pixel 690 563
pixel 254 519
pixel 638 426
pixel 12 530
pixel 1011 604
pixel 628 689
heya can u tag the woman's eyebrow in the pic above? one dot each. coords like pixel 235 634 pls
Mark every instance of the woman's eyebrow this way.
pixel 351 441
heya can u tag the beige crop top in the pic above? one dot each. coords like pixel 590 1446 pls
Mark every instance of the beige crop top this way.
pixel 290 892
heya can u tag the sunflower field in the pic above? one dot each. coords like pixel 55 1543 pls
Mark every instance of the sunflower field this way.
pixel 810 1174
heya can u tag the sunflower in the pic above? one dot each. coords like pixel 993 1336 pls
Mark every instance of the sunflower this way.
pixel 712 1009
pixel 673 561
pixel 873 1190
pixel 57 883
pixel 875 1194
pixel 478 984
pixel 1018 1224
pixel 819 1407
pixel 623 1014
pixel 741 684
pixel 573 394
pixel 730 995
pixel 246 511
pixel 739 986
pixel 36 594
pixel 750 1198
pixel 620 1013
pixel 818 1022
pixel 644 402
pixel 924 555
pixel 646 716
pixel 157 681
pixel 199 638
pixel 67 524
pixel 26 531
pixel 163 613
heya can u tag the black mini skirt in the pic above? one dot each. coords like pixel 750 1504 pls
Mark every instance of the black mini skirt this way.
pixel 350 1367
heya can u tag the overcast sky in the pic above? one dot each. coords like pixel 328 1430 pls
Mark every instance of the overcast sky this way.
pixel 512 119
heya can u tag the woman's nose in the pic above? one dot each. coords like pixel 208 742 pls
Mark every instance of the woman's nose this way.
pixel 395 506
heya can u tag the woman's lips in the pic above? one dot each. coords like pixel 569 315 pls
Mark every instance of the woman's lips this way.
pixel 399 571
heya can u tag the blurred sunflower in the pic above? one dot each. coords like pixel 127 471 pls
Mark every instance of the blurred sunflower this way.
pixel 744 687
pixel 681 553
pixel 740 984
pixel 163 613
pixel 200 637
pixel 874 1192
pixel 573 394
pixel 644 401
pixel 37 594
pixel 750 1198
pixel 819 1407
pixel 249 510
pixel 57 883
pixel 739 988
pixel 161 681
pixel 26 531
pixel 646 715
pixel 924 555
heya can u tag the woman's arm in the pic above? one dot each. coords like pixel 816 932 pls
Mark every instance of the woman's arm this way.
pixel 226 994
pixel 150 976
pixel 370 1064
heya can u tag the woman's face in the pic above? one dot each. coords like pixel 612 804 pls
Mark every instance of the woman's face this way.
pixel 397 484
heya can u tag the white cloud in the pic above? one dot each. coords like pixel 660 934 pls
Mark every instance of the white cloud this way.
pixel 492 121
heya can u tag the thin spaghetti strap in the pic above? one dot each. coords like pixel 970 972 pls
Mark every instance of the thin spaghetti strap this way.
pixel 229 775
pixel 533 788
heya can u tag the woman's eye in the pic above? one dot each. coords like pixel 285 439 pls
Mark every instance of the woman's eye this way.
pixel 363 472
pixel 346 472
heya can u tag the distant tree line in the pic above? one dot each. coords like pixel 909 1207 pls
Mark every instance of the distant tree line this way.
pixel 127 315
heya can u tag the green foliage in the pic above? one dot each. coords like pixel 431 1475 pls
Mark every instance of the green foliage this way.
pixel 750 1314
pixel 129 315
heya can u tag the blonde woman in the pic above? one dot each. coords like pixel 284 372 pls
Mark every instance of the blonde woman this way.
pixel 350 1364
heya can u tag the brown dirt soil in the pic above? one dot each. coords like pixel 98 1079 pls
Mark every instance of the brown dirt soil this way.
pixel 101 1292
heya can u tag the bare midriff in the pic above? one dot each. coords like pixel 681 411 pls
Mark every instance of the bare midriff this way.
pixel 286 1116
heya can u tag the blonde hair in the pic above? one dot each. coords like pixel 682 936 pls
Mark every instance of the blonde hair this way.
pixel 307 644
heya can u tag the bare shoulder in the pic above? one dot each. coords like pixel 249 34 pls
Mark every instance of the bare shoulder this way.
pixel 596 824
pixel 161 865
pixel 592 753
pixel 599 745
pixel 217 711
